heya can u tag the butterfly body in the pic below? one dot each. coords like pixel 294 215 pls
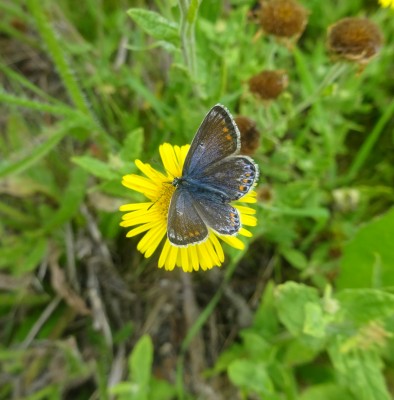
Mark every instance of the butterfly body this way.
pixel 213 175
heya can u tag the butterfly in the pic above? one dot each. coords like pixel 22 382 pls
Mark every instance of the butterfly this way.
pixel 213 175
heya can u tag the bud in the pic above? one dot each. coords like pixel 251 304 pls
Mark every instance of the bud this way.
pixel 346 199
pixel 265 193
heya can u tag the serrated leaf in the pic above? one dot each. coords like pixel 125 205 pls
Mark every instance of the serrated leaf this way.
pixel 368 259
pixel 252 377
pixel 360 371
pixel 154 24
pixel 95 167
pixel 140 364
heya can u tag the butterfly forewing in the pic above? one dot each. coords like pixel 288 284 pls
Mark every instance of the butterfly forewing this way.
pixel 217 138
pixel 185 226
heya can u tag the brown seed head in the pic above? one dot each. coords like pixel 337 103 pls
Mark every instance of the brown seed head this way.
pixel 265 194
pixel 355 39
pixel 250 136
pixel 283 18
pixel 268 85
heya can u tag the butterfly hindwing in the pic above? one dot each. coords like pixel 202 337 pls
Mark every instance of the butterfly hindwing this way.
pixel 221 217
pixel 185 226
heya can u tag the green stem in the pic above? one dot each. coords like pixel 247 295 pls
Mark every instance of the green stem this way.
pixel 201 320
pixel 64 110
pixel 367 146
pixel 331 77
pixel 189 10
pixel 55 49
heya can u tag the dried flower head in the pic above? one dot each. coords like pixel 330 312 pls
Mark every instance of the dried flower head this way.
pixel 250 135
pixel 265 194
pixel 268 85
pixel 283 18
pixel 355 39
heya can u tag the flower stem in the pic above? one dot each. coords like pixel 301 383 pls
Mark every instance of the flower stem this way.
pixel 367 146
pixel 54 47
pixel 189 10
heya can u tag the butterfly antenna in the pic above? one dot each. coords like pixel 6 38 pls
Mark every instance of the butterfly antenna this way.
pixel 167 183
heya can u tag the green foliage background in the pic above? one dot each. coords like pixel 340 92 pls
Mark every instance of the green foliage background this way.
pixel 306 312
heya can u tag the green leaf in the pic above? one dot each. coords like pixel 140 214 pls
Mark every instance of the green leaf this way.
pixel 140 365
pixel 23 255
pixel 95 167
pixel 38 152
pixel 55 48
pixel 265 318
pixel 360 371
pixel 295 257
pixel 154 24
pixel 71 200
pixel 56 109
pixel 296 352
pixel 291 302
pixel 256 347
pixel 364 305
pixel 326 392
pixel 252 377
pixel 192 11
pixel 314 324
pixel 132 145
pixel 368 259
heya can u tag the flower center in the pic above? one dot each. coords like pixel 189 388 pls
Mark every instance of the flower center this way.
pixel 164 199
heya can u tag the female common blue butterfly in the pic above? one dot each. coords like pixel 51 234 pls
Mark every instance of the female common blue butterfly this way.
pixel 213 175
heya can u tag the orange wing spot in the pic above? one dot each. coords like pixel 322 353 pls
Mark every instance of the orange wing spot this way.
pixel 225 130
pixel 242 188
pixel 245 180
pixel 191 234
pixel 248 174
pixel 196 233
pixel 228 137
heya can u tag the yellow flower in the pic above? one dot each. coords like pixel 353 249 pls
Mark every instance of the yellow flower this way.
pixel 387 3
pixel 150 217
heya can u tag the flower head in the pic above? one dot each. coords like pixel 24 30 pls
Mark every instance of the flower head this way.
pixel 283 18
pixel 387 3
pixel 268 85
pixel 250 135
pixel 355 39
pixel 150 217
